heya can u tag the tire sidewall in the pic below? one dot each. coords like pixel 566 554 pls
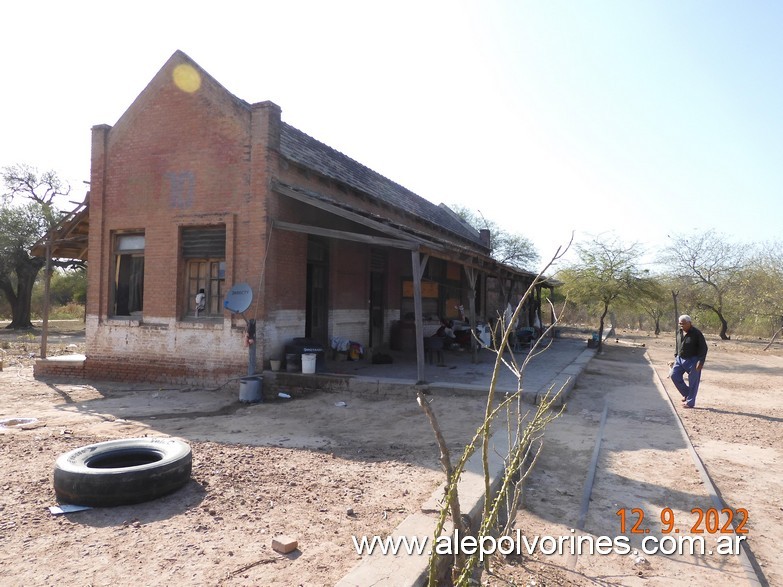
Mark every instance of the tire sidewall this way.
pixel 77 483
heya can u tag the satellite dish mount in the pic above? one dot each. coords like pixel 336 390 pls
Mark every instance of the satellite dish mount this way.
pixel 237 300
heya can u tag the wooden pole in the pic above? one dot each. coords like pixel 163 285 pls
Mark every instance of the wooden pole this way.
pixel 418 270
pixel 472 276
pixel 47 279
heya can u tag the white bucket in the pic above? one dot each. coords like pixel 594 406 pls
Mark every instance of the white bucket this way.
pixel 308 363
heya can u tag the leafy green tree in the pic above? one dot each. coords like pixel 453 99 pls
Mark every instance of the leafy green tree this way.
pixel 69 286
pixel 654 301
pixel 67 293
pixel 506 247
pixel 606 273
pixel 712 268
pixel 21 226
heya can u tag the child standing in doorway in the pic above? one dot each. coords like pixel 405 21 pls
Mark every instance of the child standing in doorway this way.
pixel 201 301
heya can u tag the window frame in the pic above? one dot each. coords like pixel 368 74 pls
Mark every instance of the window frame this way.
pixel 212 279
pixel 127 276
pixel 203 267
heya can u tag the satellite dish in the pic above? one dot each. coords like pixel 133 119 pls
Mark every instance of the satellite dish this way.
pixel 238 298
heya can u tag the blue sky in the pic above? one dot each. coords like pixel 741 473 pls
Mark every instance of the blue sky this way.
pixel 637 119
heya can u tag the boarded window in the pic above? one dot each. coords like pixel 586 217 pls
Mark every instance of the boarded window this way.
pixel 208 242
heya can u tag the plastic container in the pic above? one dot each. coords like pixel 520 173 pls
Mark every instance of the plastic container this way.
pixel 301 346
pixel 292 363
pixel 308 363
pixel 250 390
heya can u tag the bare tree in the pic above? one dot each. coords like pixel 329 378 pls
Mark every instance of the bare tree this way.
pixel 759 291
pixel 712 266
pixel 507 247
pixel 654 302
pixel 606 273
pixel 524 432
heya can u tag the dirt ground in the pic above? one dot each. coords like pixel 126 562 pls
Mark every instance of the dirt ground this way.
pixel 644 463
pixel 322 472
pixel 310 469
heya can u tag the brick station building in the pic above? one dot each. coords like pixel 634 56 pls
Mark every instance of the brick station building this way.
pixel 194 188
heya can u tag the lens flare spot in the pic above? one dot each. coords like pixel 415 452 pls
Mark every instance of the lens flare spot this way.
pixel 186 78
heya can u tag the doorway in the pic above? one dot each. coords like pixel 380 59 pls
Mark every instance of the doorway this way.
pixel 317 302
pixel 377 297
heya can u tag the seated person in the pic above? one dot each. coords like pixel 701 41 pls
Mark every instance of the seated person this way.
pixel 446 329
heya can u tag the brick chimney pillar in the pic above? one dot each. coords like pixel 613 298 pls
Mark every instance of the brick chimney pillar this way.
pixel 262 204
pixel 96 288
pixel 265 126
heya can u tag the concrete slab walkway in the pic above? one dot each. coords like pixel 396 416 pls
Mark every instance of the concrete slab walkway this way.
pixel 557 369
pixel 457 373
pixel 647 488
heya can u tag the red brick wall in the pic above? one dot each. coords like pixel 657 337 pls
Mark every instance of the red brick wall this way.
pixel 59 370
pixel 192 158
pixel 174 159
pixel 286 270
pixel 349 276
pixel 164 370
pixel 177 158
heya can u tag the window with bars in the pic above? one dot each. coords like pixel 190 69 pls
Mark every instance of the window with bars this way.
pixel 204 253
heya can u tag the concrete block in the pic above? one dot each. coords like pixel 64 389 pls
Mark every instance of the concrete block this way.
pixel 284 544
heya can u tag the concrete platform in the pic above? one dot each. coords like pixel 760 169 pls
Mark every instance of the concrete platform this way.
pixel 554 367
pixel 557 370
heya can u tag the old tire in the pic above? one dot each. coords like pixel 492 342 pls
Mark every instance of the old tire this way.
pixel 119 472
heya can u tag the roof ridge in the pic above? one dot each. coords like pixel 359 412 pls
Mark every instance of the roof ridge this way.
pixel 359 163
pixel 300 147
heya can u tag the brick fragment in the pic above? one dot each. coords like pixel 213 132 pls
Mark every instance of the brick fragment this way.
pixel 284 544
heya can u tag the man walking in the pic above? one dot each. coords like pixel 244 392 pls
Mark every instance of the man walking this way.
pixel 690 356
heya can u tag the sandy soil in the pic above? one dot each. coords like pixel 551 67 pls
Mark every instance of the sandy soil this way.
pixel 645 463
pixel 320 473
pixel 309 469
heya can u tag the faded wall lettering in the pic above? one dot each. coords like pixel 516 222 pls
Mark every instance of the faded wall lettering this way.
pixel 182 186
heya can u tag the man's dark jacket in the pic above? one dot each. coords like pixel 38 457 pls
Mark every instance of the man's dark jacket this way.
pixel 691 344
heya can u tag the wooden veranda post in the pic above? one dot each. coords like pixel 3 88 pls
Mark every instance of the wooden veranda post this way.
pixel 47 282
pixel 472 276
pixel 418 266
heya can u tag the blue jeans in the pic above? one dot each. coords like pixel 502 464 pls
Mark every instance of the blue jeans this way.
pixel 689 390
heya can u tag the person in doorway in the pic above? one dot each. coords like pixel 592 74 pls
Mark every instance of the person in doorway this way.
pixel 690 355
pixel 201 301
